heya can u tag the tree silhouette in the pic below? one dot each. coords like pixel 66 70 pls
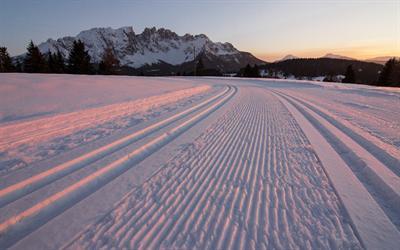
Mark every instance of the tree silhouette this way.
pixel 255 71
pixel 200 67
pixel 5 61
pixel 59 64
pixel 50 62
pixel 249 71
pixel 109 64
pixel 350 76
pixel 34 61
pixel 79 59
pixel 390 74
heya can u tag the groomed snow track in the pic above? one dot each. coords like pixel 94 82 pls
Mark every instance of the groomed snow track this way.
pixel 368 186
pixel 26 221
pixel 265 168
pixel 251 181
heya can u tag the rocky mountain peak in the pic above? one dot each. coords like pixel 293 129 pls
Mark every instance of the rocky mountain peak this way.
pixel 151 47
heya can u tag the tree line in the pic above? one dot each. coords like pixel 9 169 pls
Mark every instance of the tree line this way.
pixel 78 61
pixel 250 71
pixel 388 76
pixel 353 71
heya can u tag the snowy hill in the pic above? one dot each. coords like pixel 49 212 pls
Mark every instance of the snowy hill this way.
pixel 152 46
pixel 287 57
pixel 334 56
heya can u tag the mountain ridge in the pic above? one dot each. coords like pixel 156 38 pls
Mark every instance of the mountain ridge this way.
pixel 335 56
pixel 152 47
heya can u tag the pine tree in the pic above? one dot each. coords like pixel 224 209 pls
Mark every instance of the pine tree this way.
pixel 50 63
pixel 200 67
pixel 109 64
pixel 250 71
pixel 18 66
pixel 5 61
pixel 59 62
pixel 247 71
pixel 255 72
pixel 390 74
pixel 55 62
pixel 34 61
pixel 350 76
pixel 79 59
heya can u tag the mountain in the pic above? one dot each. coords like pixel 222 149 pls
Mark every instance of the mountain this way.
pixel 154 49
pixel 381 59
pixel 334 56
pixel 287 57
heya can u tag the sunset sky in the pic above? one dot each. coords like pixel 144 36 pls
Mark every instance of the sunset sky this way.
pixel 268 29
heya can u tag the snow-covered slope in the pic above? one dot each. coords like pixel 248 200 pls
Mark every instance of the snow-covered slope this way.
pixel 208 163
pixel 152 46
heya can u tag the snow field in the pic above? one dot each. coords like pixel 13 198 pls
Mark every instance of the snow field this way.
pixel 238 186
pixel 30 96
pixel 60 132
pixel 374 111
pixel 204 163
pixel 44 210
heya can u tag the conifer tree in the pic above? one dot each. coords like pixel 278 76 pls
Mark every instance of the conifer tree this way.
pixel 109 64
pixel 247 71
pixel 55 62
pixel 79 59
pixel 50 63
pixel 59 62
pixel 390 74
pixel 250 71
pixel 5 61
pixel 200 67
pixel 255 72
pixel 34 61
pixel 18 66
pixel 350 76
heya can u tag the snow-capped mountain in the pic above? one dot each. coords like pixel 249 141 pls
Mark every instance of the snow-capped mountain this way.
pixel 334 56
pixel 287 57
pixel 151 47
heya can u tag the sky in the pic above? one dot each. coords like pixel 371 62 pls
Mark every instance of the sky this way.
pixel 270 29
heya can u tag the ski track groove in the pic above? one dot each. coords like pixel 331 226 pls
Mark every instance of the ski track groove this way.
pixel 9 227
pixel 380 191
pixel 239 184
pixel 58 133
pixel 24 187
pixel 378 178
pixel 365 140
pixel 12 135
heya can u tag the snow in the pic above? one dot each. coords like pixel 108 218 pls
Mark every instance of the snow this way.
pixel 319 78
pixel 32 95
pixel 198 163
